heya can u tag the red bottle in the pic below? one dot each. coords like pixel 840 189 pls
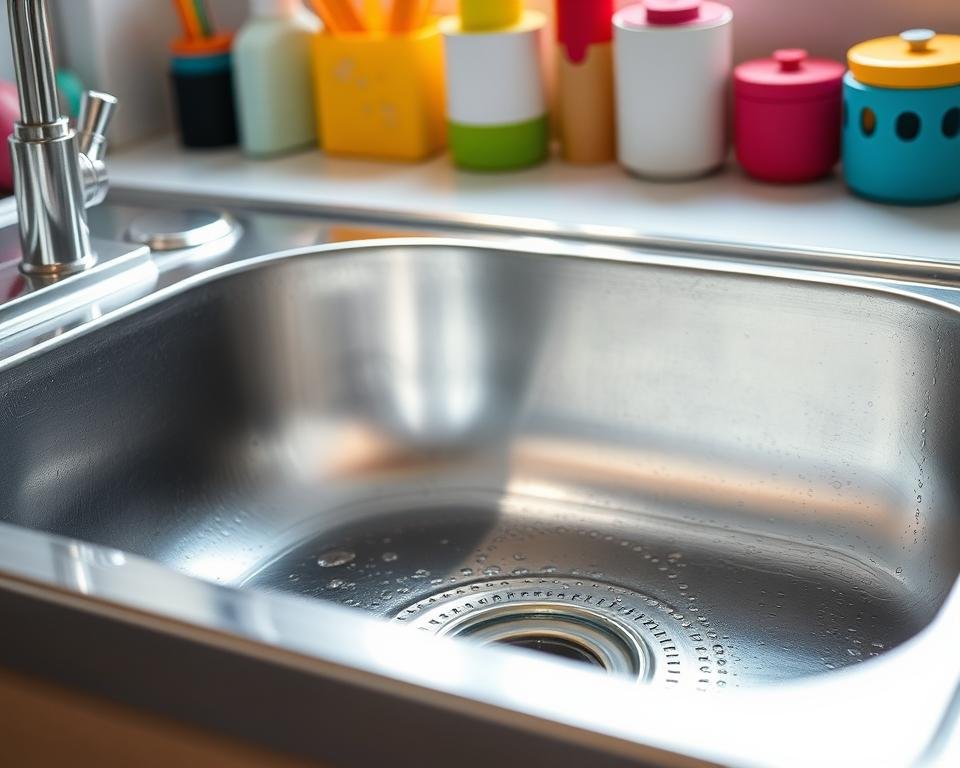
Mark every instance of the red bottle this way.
pixel 788 114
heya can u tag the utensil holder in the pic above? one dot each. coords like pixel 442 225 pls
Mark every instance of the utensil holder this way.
pixel 202 76
pixel 380 97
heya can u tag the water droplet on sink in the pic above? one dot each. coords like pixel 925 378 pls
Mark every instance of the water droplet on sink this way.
pixel 899 570
pixel 519 556
pixel 491 570
pixel 549 569
pixel 466 571
pixel 421 573
pixel 334 558
pixel 335 584
pixel 388 557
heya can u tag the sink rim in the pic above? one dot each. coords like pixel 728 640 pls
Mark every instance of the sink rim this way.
pixel 905 286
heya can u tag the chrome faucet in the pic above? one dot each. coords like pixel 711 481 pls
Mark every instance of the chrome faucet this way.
pixel 57 171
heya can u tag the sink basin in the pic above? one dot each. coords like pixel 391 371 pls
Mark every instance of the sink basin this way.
pixel 667 476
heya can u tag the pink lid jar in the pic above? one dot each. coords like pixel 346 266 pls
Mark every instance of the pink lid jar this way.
pixel 788 116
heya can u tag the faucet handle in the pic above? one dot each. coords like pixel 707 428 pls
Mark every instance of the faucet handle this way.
pixel 96 112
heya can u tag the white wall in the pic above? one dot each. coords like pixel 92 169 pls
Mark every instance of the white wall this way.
pixel 121 45
pixel 824 27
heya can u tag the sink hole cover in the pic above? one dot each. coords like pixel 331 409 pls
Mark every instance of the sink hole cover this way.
pixel 622 632
pixel 171 230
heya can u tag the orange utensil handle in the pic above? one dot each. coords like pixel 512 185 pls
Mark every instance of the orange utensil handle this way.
pixel 339 16
pixel 188 19
pixel 406 15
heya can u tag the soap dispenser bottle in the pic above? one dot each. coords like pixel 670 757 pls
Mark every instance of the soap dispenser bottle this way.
pixel 272 78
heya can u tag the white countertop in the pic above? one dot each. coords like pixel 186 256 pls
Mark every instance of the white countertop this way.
pixel 727 207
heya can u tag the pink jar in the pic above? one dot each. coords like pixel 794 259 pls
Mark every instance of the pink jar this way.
pixel 788 116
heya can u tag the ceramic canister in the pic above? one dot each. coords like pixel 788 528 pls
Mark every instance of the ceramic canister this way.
pixel 787 126
pixel 672 61
pixel 496 100
pixel 901 124
pixel 585 109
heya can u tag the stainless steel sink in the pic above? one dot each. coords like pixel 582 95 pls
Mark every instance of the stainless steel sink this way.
pixel 722 495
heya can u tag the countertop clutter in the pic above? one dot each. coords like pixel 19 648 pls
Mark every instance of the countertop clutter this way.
pixel 647 85
pixel 397 86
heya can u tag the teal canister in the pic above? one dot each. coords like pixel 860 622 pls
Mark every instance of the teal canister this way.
pixel 272 77
pixel 901 118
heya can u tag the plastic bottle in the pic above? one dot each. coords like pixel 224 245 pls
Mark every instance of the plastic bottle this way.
pixel 272 79
pixel 585 114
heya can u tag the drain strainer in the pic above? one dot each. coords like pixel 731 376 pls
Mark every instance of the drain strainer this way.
pixel 573 632
pixel 622 632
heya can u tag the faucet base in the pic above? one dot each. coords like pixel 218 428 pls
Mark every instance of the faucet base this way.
pixel 118 267
pixel 49 189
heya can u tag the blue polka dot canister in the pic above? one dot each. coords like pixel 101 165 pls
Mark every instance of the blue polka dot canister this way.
pixel 901 118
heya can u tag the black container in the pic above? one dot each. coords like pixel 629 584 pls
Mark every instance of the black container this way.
pixel 203 92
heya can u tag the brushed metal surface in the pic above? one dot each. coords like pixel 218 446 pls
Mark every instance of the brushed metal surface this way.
pixel 766 456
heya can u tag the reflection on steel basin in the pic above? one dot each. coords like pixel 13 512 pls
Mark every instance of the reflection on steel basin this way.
pixel 766 466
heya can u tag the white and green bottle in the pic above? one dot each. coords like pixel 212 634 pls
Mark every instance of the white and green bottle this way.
pixel 272 77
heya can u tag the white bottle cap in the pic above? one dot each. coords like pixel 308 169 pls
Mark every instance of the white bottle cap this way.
pixel 274 8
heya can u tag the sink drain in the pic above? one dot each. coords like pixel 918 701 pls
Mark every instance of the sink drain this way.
pixel 572 632
pixel 622 632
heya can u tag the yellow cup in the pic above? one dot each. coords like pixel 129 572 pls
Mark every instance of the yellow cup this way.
pixel 381 96
pixel 488 15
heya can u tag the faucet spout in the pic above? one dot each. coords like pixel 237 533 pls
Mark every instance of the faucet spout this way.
pixel 33 60
pixel 57 171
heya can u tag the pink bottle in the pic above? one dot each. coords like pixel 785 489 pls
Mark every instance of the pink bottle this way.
pixel 788 114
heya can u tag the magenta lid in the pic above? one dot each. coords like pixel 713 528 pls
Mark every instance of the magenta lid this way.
pixel 674 13
pixel 789 74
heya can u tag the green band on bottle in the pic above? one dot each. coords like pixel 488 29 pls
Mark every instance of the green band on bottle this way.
pixel 499 147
